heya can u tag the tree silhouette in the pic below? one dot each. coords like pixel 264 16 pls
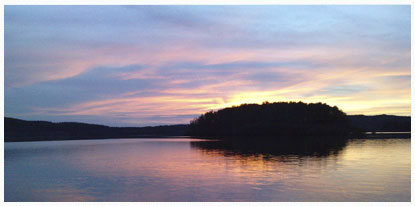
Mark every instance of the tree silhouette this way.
pixel 279 119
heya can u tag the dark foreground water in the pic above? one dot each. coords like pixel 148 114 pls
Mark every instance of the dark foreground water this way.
pixel 196 170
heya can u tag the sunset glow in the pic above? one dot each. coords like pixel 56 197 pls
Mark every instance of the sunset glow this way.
pixel 152 65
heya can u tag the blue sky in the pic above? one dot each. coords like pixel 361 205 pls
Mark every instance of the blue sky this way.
pixel 150 65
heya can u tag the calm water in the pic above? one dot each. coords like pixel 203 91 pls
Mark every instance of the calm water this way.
pixel 196 170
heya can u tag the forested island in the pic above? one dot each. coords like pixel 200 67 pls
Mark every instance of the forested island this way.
pixel 282 119
pixel 293 119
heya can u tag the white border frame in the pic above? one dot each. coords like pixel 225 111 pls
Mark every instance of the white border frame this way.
pixel 204 2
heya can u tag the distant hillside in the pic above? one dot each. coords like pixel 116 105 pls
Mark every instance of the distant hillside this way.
pixel 21 130
pixel 381 123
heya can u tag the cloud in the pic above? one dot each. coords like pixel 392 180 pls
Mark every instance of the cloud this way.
pixel 138 64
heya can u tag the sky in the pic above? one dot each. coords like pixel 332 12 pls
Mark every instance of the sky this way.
pixel 155 65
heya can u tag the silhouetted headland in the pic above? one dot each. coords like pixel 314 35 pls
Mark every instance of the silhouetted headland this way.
pixel 273 120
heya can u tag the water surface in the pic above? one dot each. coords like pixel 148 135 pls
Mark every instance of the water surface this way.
pixel 198 170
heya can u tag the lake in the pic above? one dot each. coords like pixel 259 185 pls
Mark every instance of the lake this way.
pixel 200 170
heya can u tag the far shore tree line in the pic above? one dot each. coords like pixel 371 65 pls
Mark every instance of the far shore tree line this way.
pixel 278 120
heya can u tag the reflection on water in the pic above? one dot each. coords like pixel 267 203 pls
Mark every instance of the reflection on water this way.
pixel 288 147
pixel 197 170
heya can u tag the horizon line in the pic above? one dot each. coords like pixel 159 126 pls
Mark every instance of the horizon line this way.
pixel 162 124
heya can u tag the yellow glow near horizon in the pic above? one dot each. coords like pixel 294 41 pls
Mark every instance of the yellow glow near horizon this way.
pixel 181 66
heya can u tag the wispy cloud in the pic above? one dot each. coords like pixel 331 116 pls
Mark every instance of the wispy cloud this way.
pixel 139 65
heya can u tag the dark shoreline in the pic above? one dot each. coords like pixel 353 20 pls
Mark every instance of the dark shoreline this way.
pixel 100 138
pixel 16 130
pixel 368 136
pixel 403 135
